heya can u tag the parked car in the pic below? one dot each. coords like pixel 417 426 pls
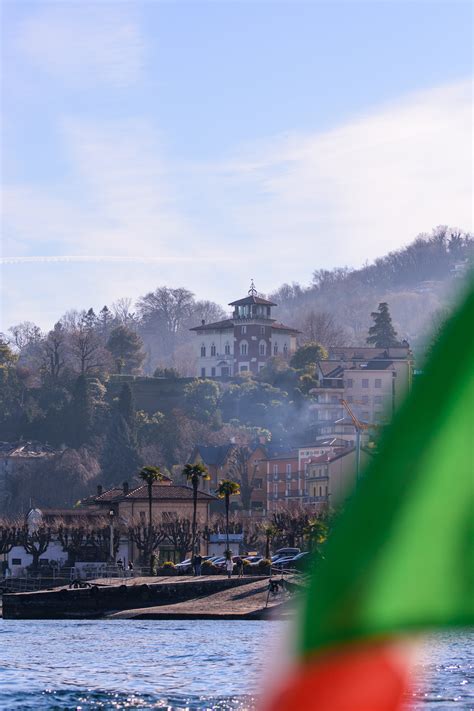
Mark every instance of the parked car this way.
pixel 253 558
pixel 288 552
pixel 283 562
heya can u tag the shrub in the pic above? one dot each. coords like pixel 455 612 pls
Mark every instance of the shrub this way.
pixel 208 568
pixel 264 566
pixel 167 568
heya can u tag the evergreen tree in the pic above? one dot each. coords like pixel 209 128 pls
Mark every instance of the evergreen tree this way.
pixel 126 348
pixel 120 458
pixel 382 334
pixel 80 413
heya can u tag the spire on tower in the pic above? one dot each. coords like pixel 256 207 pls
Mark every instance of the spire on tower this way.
pixel 252 291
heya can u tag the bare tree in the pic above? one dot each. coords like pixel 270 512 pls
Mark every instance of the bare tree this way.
pixel 320 327
pixel 25 334
pixel 147 537
pixel 36 542
pixel 243 471
pixel 179 533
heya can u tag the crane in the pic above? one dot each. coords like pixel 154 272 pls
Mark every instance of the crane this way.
pixel 359 427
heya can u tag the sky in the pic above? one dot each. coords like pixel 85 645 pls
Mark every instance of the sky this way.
pixel 202 144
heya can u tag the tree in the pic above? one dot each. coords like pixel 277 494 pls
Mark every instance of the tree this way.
pixel 147 537
pixel 120 457
pixel 195 474
pixel 10 536
pixel 320 327
pixel 239 467
pixel 315 532
pixel 150 475
pixel 225 490
pixel 308 355
pixel 165 312
pixel 179 533
pixel 269 530
pixel 25 333
pixel 382 334
pixel 80 417
pixel 126 348
pixel 54 351
pixel 105 320
pixel 36 542
pixel 201 399
pixel 85 344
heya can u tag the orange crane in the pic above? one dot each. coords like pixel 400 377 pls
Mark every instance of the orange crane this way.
pixel 359 427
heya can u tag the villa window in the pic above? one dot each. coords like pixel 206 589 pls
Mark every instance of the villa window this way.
pixel 244 348
pixel 243 368
pixel 378 399
pixel 365 382
pixel 203 351
pixel 203 372
pixel 262 330
pixel 275 468
pixel 378 382
pixel 213 372
pixel 288 469
pixel 227 349
pixel 350 383
pixel 285 349
pixel 213 350
pixel 243 329
pixel 257 483
pixel 262 348
pixel 275 349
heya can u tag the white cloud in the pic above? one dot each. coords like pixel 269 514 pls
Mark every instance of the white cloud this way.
pixel 84 43
pixel 279 209
pixel 361 189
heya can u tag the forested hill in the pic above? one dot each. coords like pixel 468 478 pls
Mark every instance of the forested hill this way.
pixel 153 331
pixel 418 281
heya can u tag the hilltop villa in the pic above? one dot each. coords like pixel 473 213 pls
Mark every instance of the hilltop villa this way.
pixel 243 342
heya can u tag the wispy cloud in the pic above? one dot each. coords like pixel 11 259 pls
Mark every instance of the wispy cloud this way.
pixel 85 43
pixel 275 210
pixel 366 187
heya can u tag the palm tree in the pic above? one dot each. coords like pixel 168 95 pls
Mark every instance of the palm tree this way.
pixel 150 475
pixel 195 473
pixel 270 532
pixel 225 490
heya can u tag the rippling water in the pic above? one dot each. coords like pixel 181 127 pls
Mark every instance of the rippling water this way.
pixel 177 665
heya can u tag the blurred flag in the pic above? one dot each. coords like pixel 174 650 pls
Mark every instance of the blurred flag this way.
pixel 401 558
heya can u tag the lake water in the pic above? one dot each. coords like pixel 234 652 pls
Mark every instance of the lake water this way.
pixel 125 664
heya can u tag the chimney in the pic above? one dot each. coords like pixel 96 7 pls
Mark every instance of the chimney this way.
pixel 99 489
pixel 203 323
pixel 125 488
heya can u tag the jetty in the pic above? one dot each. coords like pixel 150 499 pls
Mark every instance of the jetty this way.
pixel 183 597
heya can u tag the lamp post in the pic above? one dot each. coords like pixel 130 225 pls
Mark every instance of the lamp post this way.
pixel 111 520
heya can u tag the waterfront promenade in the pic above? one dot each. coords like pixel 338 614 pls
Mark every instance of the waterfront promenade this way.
pixel 183 597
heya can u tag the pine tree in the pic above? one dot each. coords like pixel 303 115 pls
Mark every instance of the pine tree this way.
pixel 382 334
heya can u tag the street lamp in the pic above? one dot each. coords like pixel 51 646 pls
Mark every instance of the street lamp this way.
pixel 111 521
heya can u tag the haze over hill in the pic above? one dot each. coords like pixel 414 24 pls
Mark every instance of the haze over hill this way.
pixel 418 281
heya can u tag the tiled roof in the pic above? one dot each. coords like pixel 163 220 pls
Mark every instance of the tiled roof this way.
pixel 281 327
pixel 217 325
pixel 367 353
pixel 251 299
pixel 167 493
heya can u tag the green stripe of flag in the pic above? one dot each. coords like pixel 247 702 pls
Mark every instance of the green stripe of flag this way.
pixel 401 557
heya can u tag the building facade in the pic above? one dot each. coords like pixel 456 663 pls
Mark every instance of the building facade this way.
pixel 245 341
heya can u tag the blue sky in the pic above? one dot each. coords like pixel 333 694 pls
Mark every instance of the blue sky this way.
pixel 202 144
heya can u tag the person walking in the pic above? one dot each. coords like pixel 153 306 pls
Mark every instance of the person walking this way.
pixel 197 563
pixel 130 568
pixel 229 566
pixel 240 566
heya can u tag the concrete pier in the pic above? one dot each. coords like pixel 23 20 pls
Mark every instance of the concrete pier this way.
pixel 101 599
